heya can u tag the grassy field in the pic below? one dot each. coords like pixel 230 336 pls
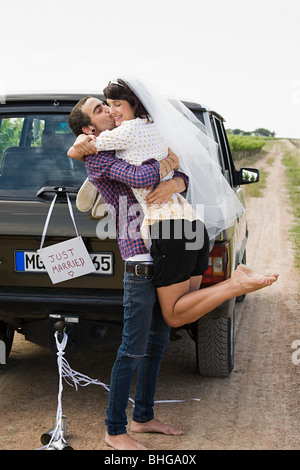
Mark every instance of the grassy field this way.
pixel 247 151
pixel 291 161
pixel 252 160
pixel 243 146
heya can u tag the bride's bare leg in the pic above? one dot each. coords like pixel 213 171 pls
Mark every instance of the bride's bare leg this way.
pixel 179 306
pixel 195 283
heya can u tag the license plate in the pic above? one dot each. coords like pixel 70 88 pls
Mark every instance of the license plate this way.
pixel 30 262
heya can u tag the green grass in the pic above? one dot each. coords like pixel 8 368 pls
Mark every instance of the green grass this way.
pixel 291 161
pixel 243 145
pixel 256 190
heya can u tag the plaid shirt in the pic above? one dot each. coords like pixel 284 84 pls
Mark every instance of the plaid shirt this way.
pixel 113 178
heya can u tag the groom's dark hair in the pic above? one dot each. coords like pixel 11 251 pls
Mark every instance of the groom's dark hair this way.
pixel 78 119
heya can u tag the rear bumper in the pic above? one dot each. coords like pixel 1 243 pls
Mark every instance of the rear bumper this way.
pixel 93 318
pixel 18 305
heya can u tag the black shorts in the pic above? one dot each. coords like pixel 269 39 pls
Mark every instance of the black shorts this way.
pixel 180 249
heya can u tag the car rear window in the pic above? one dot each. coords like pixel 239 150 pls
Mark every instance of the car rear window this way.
pixel 33 153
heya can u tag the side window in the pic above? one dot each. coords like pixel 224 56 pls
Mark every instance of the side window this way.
pixel 226 158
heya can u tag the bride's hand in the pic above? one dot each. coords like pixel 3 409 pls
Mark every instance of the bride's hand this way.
pixel 85 144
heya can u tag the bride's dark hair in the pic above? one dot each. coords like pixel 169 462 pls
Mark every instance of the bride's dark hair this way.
pixel 118 90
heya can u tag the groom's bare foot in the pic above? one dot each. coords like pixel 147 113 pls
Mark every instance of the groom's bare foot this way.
pixel 155 426
pixel 123 442
pixel 246 280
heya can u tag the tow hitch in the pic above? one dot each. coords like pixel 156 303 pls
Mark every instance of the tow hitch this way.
pixel 68 324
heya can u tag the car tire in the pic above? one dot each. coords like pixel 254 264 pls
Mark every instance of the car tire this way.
pixel 6 335
pixel 215 346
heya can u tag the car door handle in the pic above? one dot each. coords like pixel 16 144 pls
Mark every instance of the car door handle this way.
pixel 47 192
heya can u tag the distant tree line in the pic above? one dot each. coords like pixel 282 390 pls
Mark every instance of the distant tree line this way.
pixel 260 132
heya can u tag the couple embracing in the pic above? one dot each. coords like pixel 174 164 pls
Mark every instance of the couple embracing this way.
pixel 154 153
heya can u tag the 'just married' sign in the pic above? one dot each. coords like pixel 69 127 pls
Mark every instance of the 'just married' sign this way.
pixel 66 260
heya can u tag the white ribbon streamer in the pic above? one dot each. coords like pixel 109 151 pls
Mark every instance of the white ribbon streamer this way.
pixel 77 380
pixel 58 433
pixel 82 380
pixel 49 215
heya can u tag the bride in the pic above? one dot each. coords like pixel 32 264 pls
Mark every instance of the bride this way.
pixel 178 268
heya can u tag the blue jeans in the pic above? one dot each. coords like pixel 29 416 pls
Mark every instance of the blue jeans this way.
pixel 145 337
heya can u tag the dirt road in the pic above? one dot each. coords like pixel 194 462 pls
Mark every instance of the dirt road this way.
pixel 256 407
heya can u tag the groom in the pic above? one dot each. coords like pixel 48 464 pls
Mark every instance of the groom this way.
pixel 145 334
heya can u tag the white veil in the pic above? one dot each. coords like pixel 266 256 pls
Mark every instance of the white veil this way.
pixel 208 191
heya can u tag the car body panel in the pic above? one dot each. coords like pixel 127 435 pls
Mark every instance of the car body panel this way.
pixel 31 171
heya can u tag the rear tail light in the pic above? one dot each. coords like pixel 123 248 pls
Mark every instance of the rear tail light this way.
pixel 218 265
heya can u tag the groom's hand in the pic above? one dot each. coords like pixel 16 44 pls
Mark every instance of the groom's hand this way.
pixel 165 190
pixel 174 159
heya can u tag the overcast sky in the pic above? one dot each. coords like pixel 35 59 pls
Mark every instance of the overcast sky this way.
pixel 239 57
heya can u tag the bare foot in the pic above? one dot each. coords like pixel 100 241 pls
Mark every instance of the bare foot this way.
pixel 247 280
pixel 123 442
pixel 155 426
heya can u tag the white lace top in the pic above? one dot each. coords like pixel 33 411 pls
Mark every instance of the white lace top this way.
pixel 135 141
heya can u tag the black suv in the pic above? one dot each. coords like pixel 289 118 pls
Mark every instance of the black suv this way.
pixel 34 139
